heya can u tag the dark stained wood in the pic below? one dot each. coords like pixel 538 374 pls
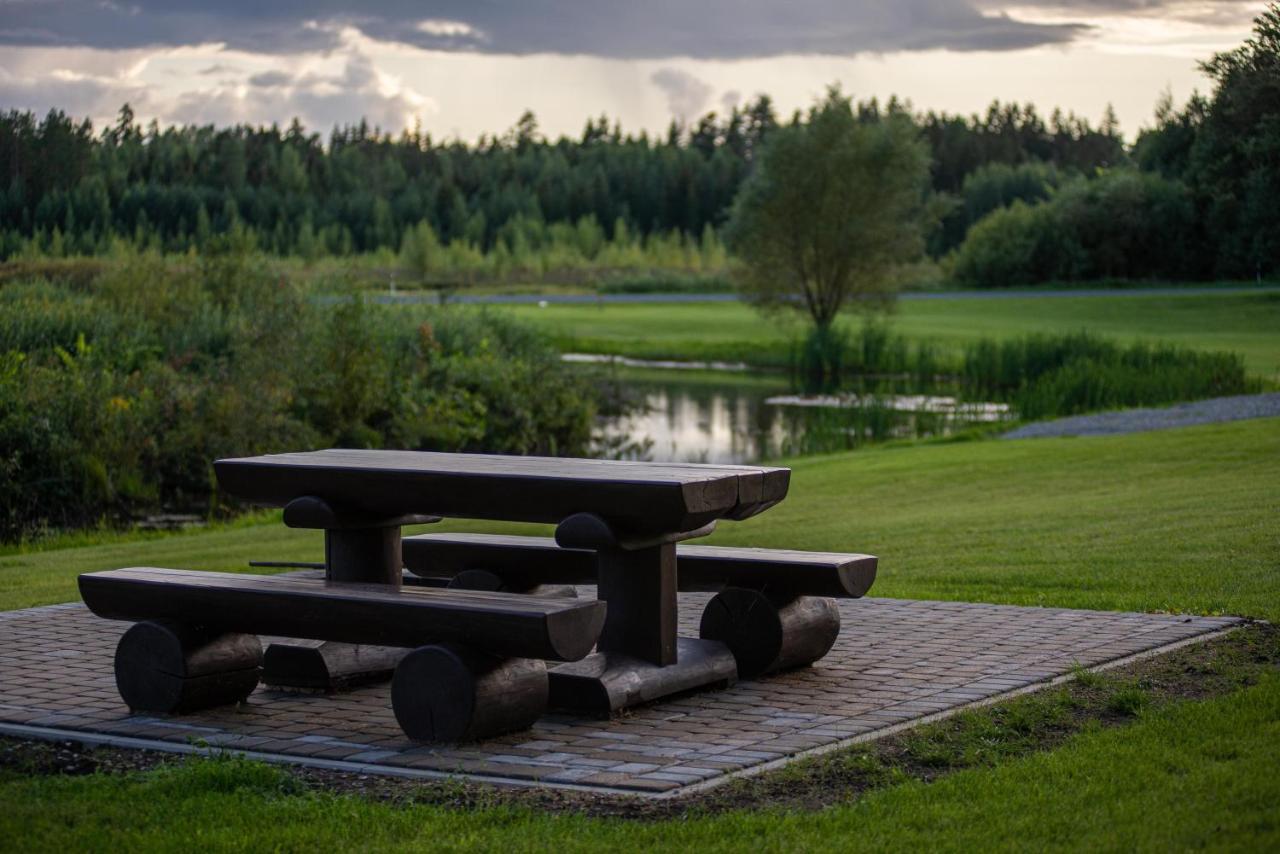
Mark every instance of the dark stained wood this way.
pixel 310 511
pixel 639 497
pixel 768 635
pixel 522 562
pixel 168 668
pixel 527 561
pixel 591 531
pixel 605 682
pixel 506 624
pixel 451 693
pixel 638 579
pixel 640 588
pixel 327 665
pixel 483 579
pixel 364 556
pixel 288 564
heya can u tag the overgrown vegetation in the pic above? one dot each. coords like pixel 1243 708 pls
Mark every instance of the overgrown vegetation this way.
pixel 1041 376
pixel 114 401
pixel 1050 375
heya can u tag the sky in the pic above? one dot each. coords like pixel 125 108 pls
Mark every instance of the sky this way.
pixel 462 68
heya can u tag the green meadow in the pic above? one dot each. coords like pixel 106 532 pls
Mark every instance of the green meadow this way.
pixel 1244 323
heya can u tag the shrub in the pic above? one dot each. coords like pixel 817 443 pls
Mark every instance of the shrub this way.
pixel 115 402
pixel 1122 224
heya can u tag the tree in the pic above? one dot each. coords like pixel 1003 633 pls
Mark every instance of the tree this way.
pixel 834 206
pixel 1236 156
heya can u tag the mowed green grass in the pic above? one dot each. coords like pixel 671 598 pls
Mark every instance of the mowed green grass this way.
pixel 1190 776
pixel 1182 520
pixel 1248 324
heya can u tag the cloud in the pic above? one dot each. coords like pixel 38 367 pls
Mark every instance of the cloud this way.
pixel 655 29
pixel 1213 13
pixel 319 100
pixel 686 94
pixel 76 94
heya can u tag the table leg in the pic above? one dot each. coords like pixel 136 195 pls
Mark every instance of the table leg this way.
pixel 640 587
pixel 355 556
pixel 639 657
pixel 364 555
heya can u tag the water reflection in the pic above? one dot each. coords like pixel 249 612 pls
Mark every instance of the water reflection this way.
pixel 737 418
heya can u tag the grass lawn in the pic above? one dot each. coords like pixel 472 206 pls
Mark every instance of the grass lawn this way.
pixel 1248 324
pixel 1184 520
pixel 1191 775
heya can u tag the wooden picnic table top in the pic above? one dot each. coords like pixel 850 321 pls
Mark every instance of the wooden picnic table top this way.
pixel 640 496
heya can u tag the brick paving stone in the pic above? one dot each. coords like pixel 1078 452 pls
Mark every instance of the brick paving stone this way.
pixel 895 661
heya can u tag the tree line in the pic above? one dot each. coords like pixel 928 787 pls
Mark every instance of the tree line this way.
pixel 1011 196
pixel 71 189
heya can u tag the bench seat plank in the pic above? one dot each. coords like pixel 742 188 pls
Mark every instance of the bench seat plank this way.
pixel 539 560
pixel 501 623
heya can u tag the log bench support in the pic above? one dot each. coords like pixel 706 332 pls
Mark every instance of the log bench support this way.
pixel 769 633
pixel 447 692
pixel 169 668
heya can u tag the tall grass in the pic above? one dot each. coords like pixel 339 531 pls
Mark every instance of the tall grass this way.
pixel 1042 376
pixel 1052 375
pixel 829 357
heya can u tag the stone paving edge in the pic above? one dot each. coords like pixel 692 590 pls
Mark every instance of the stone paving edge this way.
pixel 45 733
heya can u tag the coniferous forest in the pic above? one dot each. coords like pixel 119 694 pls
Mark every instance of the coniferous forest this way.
pixel 1055 199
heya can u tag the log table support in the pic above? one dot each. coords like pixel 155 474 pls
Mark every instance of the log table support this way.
pixel 639 658
pixel 359 548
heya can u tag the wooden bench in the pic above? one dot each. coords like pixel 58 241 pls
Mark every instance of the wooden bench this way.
pixel 773 606
pixel 476 667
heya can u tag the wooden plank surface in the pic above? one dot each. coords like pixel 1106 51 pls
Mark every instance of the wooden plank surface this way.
pixel 644 497
pixel 502 623
pixel 538 560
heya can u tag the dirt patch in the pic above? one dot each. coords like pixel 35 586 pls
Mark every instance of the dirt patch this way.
pixel 979 737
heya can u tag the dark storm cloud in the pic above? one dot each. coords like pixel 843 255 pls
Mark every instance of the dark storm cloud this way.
pixel 1224 12
pixel 710 29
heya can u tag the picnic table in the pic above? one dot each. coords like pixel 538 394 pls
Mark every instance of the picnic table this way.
pixel 618 523
pixel 630 514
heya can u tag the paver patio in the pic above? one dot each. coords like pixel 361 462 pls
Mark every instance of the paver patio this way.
pixel 896 661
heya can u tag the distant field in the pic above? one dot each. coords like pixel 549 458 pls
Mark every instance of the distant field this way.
pixel 1248 324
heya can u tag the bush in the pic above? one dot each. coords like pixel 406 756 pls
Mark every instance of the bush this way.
pixel 1012 246
pixel 114 402
pixel 1122 224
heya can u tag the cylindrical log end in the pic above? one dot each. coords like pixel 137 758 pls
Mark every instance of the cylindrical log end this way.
pixel 448 693
pixel 766 636
pixel 165 668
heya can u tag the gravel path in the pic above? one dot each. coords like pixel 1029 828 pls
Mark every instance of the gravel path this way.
pixel 1142 420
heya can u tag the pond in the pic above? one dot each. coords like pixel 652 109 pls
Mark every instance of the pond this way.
pixel 733 415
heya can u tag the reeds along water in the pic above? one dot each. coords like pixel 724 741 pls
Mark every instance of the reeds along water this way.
pixel 1043 376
